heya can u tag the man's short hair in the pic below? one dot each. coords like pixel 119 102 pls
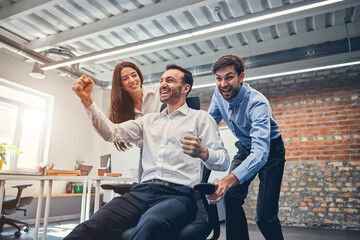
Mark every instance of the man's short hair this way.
pixel 187 79
pixel 229 60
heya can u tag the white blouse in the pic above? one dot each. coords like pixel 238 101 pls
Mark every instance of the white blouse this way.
pixel 150 100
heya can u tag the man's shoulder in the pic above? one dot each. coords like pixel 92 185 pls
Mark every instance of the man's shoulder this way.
pixel 257 96
pixel 150 116
pixel 200 113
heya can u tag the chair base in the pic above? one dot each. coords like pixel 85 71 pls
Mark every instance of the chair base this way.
pixel 14 223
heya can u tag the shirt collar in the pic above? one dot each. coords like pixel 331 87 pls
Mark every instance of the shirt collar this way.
pixel 240 95
pixel 184 109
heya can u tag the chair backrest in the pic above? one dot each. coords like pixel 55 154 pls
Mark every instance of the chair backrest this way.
pixel 12 203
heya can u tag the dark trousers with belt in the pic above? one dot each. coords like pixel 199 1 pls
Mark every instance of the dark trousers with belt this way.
pixel 157 211
pixel 267 207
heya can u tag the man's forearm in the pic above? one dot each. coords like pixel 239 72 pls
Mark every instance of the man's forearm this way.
pixel 205 154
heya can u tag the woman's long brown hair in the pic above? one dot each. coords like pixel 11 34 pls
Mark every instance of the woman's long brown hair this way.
pixel 122 105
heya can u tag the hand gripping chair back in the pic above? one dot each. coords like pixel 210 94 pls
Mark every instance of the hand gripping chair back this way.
pixel 206 220
pixel 12 204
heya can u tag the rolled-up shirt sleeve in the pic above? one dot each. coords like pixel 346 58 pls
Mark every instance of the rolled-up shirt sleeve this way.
pixel 129 131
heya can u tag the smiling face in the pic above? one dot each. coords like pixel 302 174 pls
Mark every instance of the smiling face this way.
pixel 229 82
pixel 130 80
pixel 171 86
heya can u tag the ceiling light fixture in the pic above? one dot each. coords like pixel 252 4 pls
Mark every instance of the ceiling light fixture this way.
pixel 37 72
pixel 121 50
pixel 289 72
pixel 191 33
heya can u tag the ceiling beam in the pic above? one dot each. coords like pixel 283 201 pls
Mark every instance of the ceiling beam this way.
pixel 23 8
pixel 241 24
pixel 280 69
pixel 114 23
pixel 253 49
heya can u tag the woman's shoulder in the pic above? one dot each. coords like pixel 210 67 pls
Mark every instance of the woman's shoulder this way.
pixel 152 87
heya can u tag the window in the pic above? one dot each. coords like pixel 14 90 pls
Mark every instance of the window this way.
pixel 25 121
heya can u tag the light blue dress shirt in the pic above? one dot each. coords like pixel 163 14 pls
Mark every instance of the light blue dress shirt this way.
pixel 251 120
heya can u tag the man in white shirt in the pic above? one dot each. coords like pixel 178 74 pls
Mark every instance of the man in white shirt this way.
pixel 177 142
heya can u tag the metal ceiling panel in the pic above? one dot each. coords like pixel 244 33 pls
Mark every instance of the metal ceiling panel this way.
pixel 92 27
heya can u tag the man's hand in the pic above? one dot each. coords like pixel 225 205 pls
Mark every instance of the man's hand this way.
pixel 221 187
pixel 83 87
pixel 192 146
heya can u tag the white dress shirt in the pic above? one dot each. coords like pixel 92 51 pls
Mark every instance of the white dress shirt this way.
pixel 163 157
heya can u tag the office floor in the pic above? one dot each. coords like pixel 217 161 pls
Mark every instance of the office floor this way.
pixel 59 230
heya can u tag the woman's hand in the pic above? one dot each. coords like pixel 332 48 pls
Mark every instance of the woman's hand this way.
pixel 83 87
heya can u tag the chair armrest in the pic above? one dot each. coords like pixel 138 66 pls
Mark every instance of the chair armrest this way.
pixel 205 188
pixel 118 188
pixel 211 209
pixel 214 220
pixel 21 186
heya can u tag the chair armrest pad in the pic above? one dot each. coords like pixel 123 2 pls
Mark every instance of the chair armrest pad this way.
pixel 118 188
pixel 205 188
pixel 21 186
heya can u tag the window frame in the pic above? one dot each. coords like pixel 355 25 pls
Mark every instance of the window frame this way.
pixel 44 136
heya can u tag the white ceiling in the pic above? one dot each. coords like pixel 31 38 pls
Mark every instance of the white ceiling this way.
pixel 97 34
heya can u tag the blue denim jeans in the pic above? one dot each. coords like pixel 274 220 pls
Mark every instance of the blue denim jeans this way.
pixel 267 207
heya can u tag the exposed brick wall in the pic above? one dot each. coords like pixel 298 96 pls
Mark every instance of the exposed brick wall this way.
pixel 319 118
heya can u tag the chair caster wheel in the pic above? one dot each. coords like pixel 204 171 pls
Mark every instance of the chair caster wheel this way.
pixel 26 229
pixel 17 234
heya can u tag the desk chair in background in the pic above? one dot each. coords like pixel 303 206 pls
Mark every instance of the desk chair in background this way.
pixel 207 219
pixel 12 204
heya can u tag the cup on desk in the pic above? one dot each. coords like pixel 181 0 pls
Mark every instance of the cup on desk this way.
pixel 78 188
pixel 101 171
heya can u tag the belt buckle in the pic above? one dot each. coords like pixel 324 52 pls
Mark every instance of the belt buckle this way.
pixel 161 182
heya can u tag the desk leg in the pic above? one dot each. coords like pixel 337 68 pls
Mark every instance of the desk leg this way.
pixel 88 196
pixel 83 209
pixel 2 190
pixel 39 209
pixel 47 209
pixel 97 196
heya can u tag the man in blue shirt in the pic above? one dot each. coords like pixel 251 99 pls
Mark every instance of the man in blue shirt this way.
pixel 261 151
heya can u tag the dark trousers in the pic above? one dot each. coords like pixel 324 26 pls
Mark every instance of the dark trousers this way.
pixel 157 211
pixel 267 207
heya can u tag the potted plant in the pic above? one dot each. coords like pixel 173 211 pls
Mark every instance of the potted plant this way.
pixel 3 148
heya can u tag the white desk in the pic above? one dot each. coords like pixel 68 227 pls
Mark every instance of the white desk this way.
pixel 85 200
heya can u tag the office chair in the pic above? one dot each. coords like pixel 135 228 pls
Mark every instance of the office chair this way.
pixel 207 219
pixel 12 204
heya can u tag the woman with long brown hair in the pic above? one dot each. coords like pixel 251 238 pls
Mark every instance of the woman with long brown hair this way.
pixel 129 98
